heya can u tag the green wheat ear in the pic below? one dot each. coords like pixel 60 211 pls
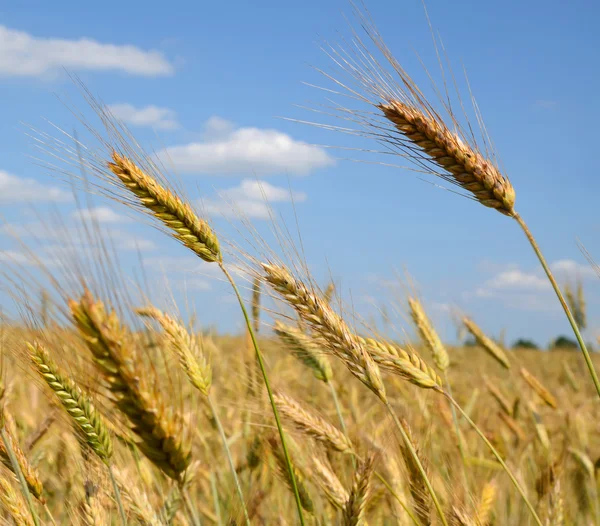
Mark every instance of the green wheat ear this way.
pixel 86 419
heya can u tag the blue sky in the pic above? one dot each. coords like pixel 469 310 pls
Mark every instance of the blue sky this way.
pixel 209 82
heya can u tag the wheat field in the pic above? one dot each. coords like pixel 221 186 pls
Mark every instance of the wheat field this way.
pixel 115 410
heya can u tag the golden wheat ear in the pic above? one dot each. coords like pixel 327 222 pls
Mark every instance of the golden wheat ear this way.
pixel 173 212
pixel 158 430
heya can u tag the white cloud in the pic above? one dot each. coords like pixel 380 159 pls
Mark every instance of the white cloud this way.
pixel 251 199
pixel 148 116
pixel 15 189
pixel 571 269
pixel 25 55
pixel 100 214
pixel 517 279
pixel 69 236
pixel 531 291
pixel 226 150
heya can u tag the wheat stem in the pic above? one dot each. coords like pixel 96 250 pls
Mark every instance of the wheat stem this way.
pixel 263 370
pixel 498 458
pixel 236 480
pixel 540 256
pixel 117 495
pixel 215 492
pixel 193 516
pixel 422 472
pixel 338 408
pixel 17 470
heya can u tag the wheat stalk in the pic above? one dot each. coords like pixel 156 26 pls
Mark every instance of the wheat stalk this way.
pixel 34 484
pixel 282 467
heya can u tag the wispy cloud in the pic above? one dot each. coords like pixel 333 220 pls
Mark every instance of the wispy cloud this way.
pixel 251 199
pixel 65 236
pixel 15 189
pixel 517 280
pixel 227 150
pixel 148 116
pixel 25 55
pixel 527 290
pixel 568 268
pixel 100 214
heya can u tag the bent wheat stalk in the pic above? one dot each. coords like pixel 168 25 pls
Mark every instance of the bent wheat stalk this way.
pixel 193 232
pixel 361 356
pixel 192 356
pixel 409 126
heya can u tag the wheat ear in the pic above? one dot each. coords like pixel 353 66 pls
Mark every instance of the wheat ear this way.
pixel 354 509
pixel 168 208
pixel 499 396
pixel 305 349
pixel 404 363
pixel 539 388
pixel 312 425
pixel 299 478
pixel 327 324
pixel 415 129
pixel 467 167
pixel 133 394
pixel 190 349
pixel 489 345
pixel 9 447
pixel 486 503
pixel 428 334
pixel 418 490
pixel 14 505
pixel 79 407
pixel 329 483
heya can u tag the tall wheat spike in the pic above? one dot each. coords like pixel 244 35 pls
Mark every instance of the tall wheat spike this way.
pixel 329 483
pixel 354 510
pixel 312 425
pixel 191 350
pixel 159 431
pixel 168 208
pixel 539 388
pixel 327 324
pixel 31 475
pixel 306 349
pixel 493 349
pixel 428 334
pixel 14 505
